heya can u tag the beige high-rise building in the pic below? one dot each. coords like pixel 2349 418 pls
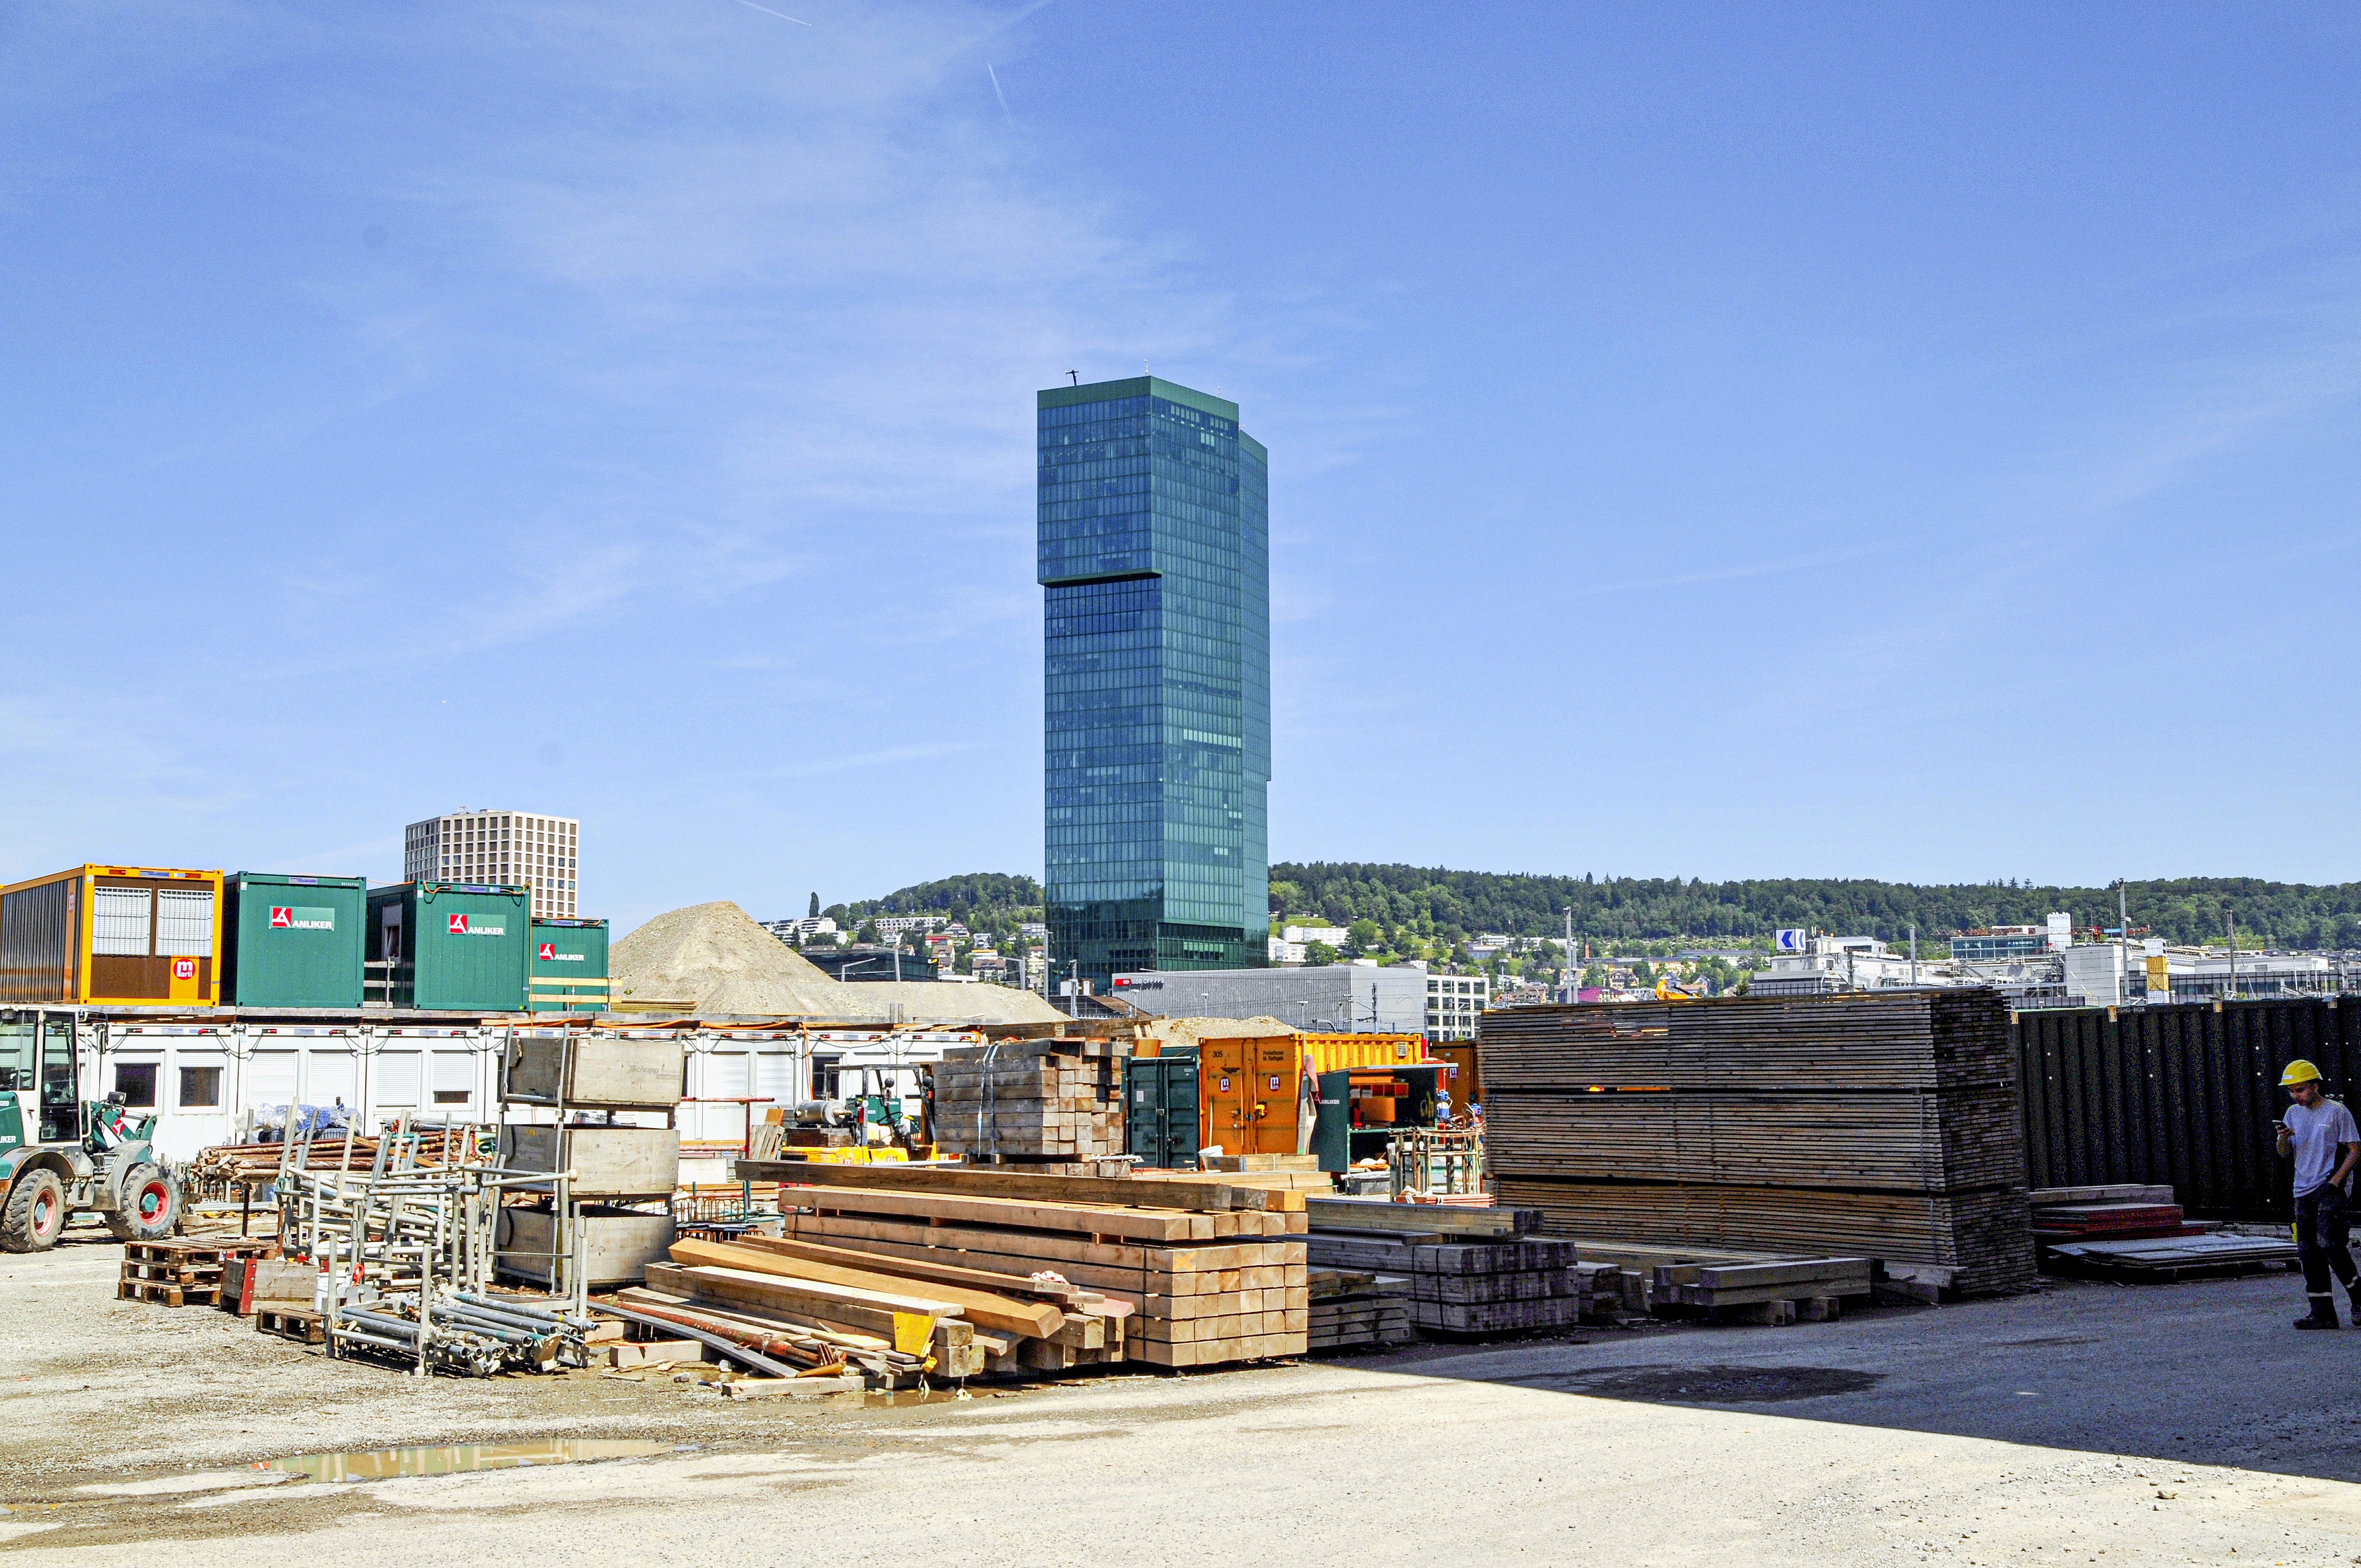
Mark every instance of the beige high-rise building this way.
pixel 514 847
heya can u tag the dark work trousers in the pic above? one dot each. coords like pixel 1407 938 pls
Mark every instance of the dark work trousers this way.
pixel 2324 1234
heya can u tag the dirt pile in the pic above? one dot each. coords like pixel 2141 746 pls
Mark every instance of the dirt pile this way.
pixel 716 959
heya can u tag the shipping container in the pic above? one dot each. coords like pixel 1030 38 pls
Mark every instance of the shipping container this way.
pixel 121 936
pixel 292 941
pixel 455 947
pixel 569 966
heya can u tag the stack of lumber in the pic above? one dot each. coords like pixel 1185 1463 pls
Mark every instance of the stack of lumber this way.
pixel 1171 1273
pixel 1471 1271
pixel 1865 1125
pixel 180 1273
pixel 814 1348
pixel 1356 1311
pixel 957 1317
pixel 1053 1106
pixel 2109 1214
pixel 2169 1258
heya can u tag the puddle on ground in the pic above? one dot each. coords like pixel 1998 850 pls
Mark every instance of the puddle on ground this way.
pixel 383 1463
pixel 1707 1385
pixel 882 1400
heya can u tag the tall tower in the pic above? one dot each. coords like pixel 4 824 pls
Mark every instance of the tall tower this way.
pixel 1155 559
pixel 513 847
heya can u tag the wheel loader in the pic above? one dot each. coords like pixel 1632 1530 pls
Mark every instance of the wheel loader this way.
pixel 61 1155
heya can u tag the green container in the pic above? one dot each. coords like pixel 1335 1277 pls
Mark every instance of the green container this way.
pixel 457 947
pixel 292 941
pixel 569 966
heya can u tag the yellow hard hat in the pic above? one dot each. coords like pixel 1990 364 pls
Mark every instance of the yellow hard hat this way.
pixel 2298 1071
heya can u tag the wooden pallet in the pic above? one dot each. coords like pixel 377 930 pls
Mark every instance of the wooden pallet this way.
pixel 172 1274
pixel 196 1254
pixel 299 1323
pixel 165 1294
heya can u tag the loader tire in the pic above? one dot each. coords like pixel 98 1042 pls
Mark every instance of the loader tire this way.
pixel 151 1206
pixel 34 1212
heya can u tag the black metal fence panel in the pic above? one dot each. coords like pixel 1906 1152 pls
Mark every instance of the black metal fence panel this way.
pixel 2181 1095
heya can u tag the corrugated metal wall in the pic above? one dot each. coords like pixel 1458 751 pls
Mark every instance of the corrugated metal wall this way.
pixel 2183 1095
pixel 37 942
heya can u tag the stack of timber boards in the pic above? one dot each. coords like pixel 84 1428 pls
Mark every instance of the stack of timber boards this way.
pixel 1882 1125
pixel 1200 1273
pixel 1356 1311
pixel 968 1320
pixel 1489 1278
pixel 1053 1106
pixel 2109 1214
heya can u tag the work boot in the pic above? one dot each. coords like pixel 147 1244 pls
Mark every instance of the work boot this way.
pixel 2324 1314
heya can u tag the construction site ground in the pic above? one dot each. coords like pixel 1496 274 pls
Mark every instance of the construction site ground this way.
pixel 2089 1423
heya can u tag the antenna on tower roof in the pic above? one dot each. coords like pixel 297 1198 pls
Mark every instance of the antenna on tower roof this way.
pixel 1077 375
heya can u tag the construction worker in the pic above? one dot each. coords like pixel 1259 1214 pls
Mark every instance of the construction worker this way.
pixel 2320 1133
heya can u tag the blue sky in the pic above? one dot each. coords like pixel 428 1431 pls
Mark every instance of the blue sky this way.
pixel 1903 442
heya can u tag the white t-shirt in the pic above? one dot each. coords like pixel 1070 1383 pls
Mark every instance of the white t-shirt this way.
pixel 2318 1130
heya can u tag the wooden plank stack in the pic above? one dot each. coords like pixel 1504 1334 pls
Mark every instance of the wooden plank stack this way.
pixel 1356 1311
pixel 1052 1106
pixel 1186 1272
pixel 1471 1271
pixel 1871 1126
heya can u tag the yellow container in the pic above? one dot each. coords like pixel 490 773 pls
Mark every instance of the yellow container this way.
pixel 113 936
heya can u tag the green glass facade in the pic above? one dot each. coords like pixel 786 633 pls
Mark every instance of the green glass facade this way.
pixel 1155 559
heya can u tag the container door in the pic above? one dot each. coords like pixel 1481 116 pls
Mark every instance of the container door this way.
pixel 1272 1103
pixel 184 936
pixel 123 963
pixel 1331 1135
pixel 1225 1088
pixel 61 1083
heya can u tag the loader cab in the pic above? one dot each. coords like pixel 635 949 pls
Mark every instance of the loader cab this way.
pixel 39 1076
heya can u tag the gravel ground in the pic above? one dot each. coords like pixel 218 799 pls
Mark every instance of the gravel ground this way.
pixel 2087 1423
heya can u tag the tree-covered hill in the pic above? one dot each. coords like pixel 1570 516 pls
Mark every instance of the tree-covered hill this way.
pixel 981 900
pixel 1450 904
pixel 1433 903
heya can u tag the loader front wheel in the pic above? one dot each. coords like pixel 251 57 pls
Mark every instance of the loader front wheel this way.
pixel 151 1206
pixel 34 1212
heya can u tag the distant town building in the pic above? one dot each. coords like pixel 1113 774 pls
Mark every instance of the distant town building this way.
pixel 1361 999
pixel 1829 964
pixel 1334 935
pixel 797 932
pixel 515 848
pixel 1997 943
pixel 1455 1002
pixel 867 962
pixel 1153 557
pixel 1283 951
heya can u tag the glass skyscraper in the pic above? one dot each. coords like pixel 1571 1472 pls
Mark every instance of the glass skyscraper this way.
pixel 1155 559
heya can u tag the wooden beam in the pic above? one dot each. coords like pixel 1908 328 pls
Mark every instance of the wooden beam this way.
pixel 1122 1192
pixel 1004 1314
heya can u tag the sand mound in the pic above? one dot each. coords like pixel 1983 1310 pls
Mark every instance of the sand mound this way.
pixel 1184 1032
pixel 715 958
